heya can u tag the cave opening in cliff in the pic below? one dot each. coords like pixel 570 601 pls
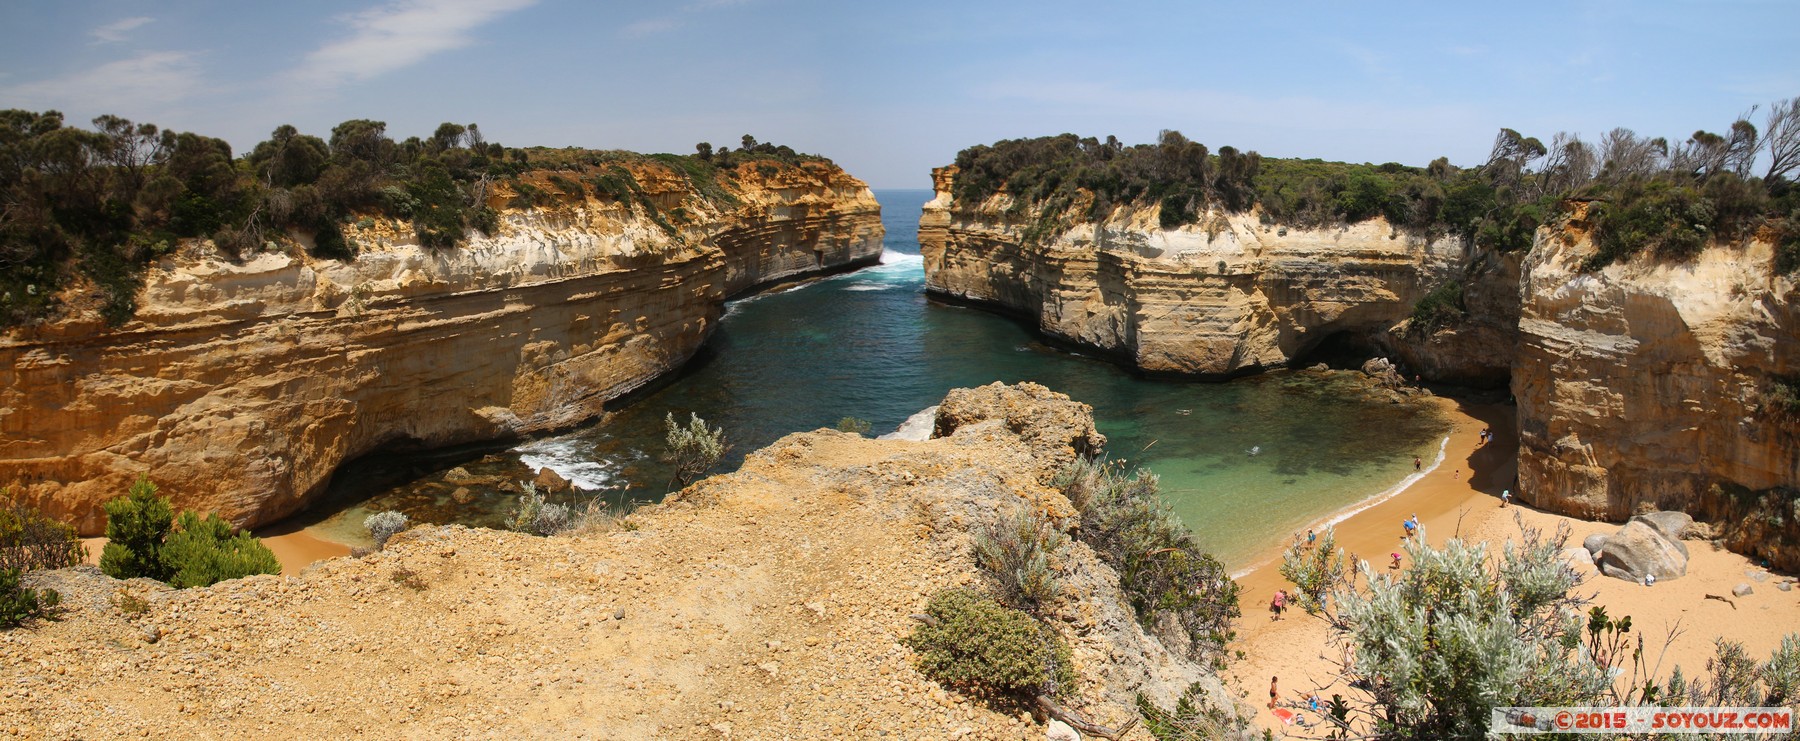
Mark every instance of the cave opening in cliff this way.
pixel 1341 349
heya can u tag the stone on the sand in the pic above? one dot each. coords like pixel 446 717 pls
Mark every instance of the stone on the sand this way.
pixel 1671 524
pixel 1742 590
pixel 550 481
pixel 1595 543
pixel 1756 575
pixel 1060 731
pixel 1579 559
pixel 1784 586
pixel 1639 549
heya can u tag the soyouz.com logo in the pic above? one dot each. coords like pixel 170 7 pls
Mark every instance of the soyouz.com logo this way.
pixel 1521 720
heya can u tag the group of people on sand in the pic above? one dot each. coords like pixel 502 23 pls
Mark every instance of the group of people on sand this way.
pixel 1411 524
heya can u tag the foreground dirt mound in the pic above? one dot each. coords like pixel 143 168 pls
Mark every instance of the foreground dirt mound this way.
pixel 763 604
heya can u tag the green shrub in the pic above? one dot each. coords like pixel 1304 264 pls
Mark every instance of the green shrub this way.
pixel 535 516
pixel 1017 551
pixel 1443 306
pixel 693 449
pixel 1178 590
pixel 1192 718
pixel 854 425
pixel 971 642
pixel 202 552
pixel 192 551
pixel 29 540
pixel 136 525
pixel 19 603
pixel 1781 400
pixel 383 525
pixel 1315 569
pixel 1787 252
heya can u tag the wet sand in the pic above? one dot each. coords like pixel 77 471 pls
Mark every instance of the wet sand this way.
pixel 1461 498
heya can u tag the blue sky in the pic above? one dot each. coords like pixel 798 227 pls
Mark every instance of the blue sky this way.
pixel 890 90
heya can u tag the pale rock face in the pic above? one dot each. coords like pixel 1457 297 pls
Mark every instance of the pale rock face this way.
pixel 1226 296
pixel 240 387
pixel 1639 386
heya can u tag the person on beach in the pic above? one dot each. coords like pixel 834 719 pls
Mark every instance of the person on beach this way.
pixel 1311 537
pixel 1417 464
pixel 1272 692
pixel 1410 524
pixel 1505 496
pixel 1275 607
pixel 1395 566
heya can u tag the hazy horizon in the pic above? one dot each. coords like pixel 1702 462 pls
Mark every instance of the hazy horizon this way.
pixel 892 91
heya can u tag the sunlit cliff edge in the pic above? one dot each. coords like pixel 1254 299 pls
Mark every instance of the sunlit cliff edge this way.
pixel 249 382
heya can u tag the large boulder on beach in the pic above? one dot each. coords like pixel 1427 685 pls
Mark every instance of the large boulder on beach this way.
pixel 1672 525
pixel 1581 560
pixel 1639 549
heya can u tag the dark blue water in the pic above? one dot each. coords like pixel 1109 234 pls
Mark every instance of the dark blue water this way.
pixel 870 345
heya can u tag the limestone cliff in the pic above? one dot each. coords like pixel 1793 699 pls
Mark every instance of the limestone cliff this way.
pixel 241 386
pixel 1226 296
pixel 1646 385
pixel 767 603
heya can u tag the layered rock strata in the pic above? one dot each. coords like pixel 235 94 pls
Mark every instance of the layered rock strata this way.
pixel 768 603
pixel 240 386
pixel 1644 385
pixel 1226 296
pixel 1649 385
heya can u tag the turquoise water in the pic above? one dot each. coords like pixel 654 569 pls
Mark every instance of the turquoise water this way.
pixel 870 345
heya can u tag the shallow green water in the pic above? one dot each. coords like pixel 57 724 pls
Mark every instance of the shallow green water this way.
pixel 870 345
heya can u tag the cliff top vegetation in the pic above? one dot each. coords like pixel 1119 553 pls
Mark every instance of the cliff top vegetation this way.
pixel 81 207
pixel 1646 192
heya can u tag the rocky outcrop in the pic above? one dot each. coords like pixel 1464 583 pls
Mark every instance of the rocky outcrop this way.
pixel 240 387
pixel 767 603
pixel 1058 429
pixel 1478 348
pixel 1226 296
pixel 1638 550
pixel 1645 385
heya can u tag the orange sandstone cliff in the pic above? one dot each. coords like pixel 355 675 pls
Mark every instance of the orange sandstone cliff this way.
pixel 1643 385
pixel 244 385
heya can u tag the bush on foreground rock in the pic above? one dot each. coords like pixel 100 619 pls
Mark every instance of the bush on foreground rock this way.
pixel 143 540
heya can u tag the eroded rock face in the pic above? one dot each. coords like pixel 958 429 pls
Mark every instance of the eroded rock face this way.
pixel 1642 386
pixel 240 387
pixel 1225 296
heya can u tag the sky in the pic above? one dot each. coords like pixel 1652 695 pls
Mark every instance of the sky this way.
pixel 891 90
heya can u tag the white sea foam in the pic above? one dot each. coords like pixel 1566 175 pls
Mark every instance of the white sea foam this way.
pixel 569 458
pixel 869 286
pixel 901 258
pixel 1354 509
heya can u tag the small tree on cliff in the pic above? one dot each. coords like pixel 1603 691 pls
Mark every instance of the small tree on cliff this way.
pixel 136 525
pixel 693 449
pixel 201 552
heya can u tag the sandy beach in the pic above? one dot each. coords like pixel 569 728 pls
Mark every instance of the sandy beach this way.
pixel 1461 499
